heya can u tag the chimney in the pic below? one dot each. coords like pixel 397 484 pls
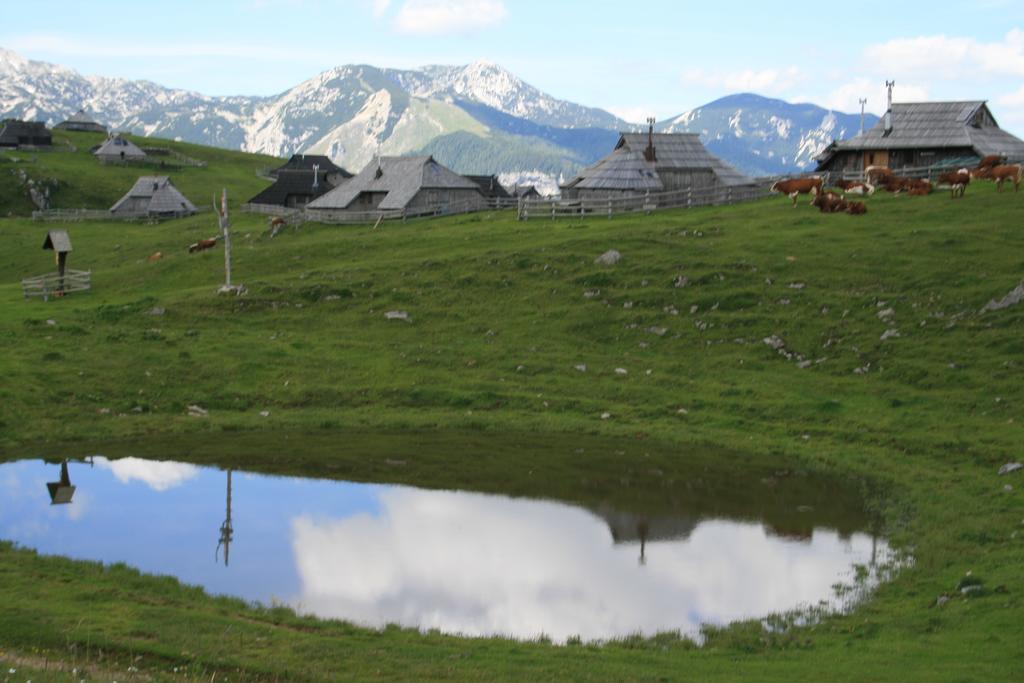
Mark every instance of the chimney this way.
pixel 316 175
pixel 888 109
pixel 649 153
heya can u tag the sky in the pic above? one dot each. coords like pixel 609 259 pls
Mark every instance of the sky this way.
pixel 660 58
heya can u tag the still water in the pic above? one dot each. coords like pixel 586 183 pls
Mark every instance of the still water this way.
pixel 469 563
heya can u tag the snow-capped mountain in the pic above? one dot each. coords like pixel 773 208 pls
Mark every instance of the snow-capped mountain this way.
pixel 478 118
pixel 764 136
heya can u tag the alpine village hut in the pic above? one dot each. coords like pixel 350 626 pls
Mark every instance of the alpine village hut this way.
pixel 301 180
pixel 153 197
pixel 81 122
pixel 490 186
pixel 15 134
pixel 924 134
pixel 416 185
pixel 526 192
pixel 118 150
pixel 653 162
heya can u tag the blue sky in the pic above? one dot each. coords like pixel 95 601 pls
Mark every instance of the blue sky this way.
pixel 658 57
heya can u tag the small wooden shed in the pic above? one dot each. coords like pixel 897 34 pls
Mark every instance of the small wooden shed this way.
pixel 118 150
pixel 64 280
pixel 61 491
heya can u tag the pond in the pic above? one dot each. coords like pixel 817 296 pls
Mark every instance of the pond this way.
pixel 462 562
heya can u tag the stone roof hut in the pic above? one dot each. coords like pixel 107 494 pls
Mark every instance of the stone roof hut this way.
pixel 490 186
pixel 118 149
pixel 924 134
pixel 417 184
pixel 155 197
pixel 653 162
pixel 81 122
pixel 14 133
pixel 296 188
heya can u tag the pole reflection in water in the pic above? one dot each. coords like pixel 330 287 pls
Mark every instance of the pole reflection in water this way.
pixel 226 530
pixel 61 491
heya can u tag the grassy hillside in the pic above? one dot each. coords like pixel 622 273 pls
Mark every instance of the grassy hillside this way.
pixel 501 313
pixel 78 181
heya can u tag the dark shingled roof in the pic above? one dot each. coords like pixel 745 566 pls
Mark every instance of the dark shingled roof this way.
pixel 14 133
pixel 158 197
pixel 490 186
pixel 305 162
pixel 936 125
pixel 291 183
pixel 80 121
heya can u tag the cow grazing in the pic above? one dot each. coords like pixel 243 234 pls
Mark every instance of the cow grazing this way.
pixel 919 188
pixel 202 245
pixel 957 181
pixel 856 209
pixel 859 188
pixel 1011 173
pixel 829 202
pixel 991 161
pixel 794 187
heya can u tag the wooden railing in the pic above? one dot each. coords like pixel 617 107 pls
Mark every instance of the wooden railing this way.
pixel 77 215
pixel 646 203
pixel 52 284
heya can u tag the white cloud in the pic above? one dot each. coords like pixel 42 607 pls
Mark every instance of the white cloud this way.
pixel 435 17
pixel 946 57
pixel 765 81
pixel 632 114
pixel 845 97
pixel 159 475
pixel 379 7
pixel 64 46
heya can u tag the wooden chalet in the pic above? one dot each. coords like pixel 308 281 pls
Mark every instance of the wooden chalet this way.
pixel 416 184
pixel 653 162
pixel 81 122
pixel 296 188
pixel 309 162
pixel 15 134
pixel 490 186
pixel 153 197
pixel 118 149
pixel 924 134
pixel 526 192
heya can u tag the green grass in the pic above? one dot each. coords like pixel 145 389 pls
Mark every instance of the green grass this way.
pixel 499 320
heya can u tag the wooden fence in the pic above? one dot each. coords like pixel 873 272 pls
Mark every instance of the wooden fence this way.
pixel 78 215
pixel 52 284
pixel 645 203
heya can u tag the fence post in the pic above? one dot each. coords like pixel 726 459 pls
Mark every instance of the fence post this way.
pixel 689 197
pixel 728 195
pixel 552 209
pixel 609 208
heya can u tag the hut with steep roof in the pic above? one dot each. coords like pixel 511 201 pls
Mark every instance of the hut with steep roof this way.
pixel 81 122
pixel 153 197
pixel 294 189
pixel 118 150
pixel 308 162
pixel 925 134
pixel 653 162
pixel 15 134
pixel 490 186
pixel 415 184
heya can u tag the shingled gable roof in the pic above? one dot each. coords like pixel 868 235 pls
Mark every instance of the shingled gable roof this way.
pixel 306 162
pixel 292 183
pixel 626 168
pixel 81 121
pixel 401 178
pixel 936 125
pixel 14 132
pixel 115 145
pixel 490 186
pixel 163 196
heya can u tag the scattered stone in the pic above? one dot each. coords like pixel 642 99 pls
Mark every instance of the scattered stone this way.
pixel 1010 467
pixel 694 308
pixel 197 411
pixel 582 367
pixel 621 371
pixel 941 600
pixel 671 310
pixel 51 322
pixel 797 285
pixel 1007 488
pixel 862 370
pixel 889 334
pixel 605 416
pixel 783 302
pixel 608 258
pixel 681 281
pixel 804 364
pixel 657 331
pixel 237 290
pixel 1013 298
pixel 682 411
pixel 137 409
pixel 775 342
pixel 104 411
pixel 591 293
pixel 886 313
pixel 156 310
pixel 768 281
pixel 973 588
pixel 520 368
pixel 398 315
pixel 644 283
pixel 332 297
pixel 644 345
pixel 264 413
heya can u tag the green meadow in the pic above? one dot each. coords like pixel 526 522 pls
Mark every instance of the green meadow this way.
pixel 882 370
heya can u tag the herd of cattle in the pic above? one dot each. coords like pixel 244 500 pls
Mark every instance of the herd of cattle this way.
pixel 992 168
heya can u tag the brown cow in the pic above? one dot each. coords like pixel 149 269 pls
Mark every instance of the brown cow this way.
pixel 991 161
pixel 919 188
pixel 877 175
pixel 202 245
pixel 856 209
pixel 1012 173
pixel 957 181
pixel 829 202
pixel 793 187
pixel 860 188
